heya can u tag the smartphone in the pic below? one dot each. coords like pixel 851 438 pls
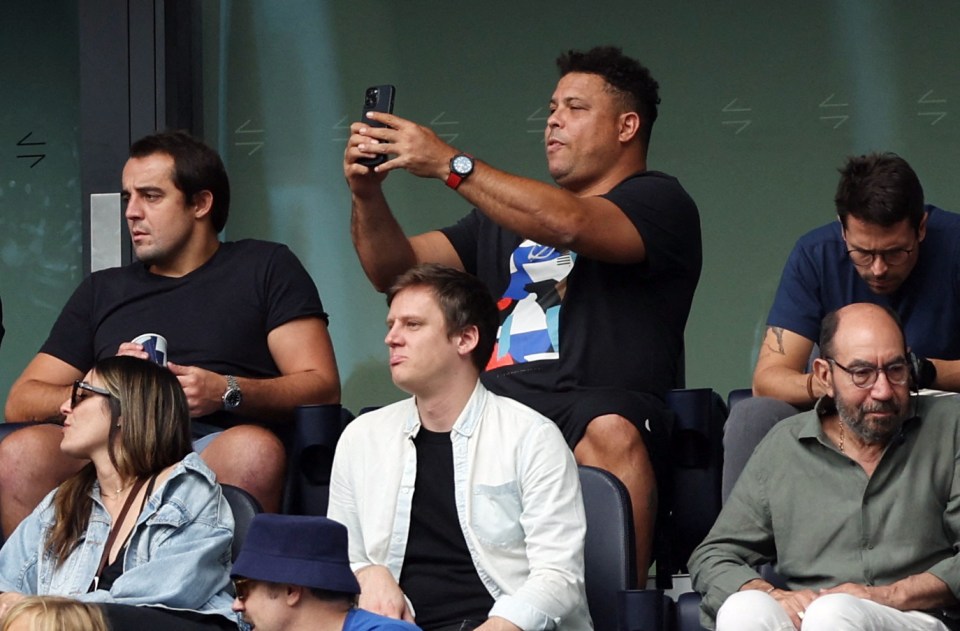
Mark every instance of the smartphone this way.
pixel 377 98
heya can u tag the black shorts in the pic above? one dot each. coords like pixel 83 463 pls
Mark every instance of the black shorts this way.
pixel 572 411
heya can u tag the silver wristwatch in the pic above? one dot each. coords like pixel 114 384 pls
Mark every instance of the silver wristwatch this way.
pixel 232 397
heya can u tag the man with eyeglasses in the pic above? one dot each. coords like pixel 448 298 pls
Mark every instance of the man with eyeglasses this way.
pixel 887 248
pixel 856 503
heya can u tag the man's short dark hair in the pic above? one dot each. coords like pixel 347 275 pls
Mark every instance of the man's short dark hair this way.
pixel 329 596
pixel 275 589
pixel 881 189
pixel 196 168
pixel 464 301
pixel 627 78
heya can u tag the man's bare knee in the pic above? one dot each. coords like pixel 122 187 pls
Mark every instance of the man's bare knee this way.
pixel 33 452
pixel 610 436
pixel 252 458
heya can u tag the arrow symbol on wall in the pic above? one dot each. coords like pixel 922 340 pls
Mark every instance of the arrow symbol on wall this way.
pixel 926 99
pixel 256 144
pixel 536 117
pixel 341 124
pixel 939 116
pixel 839 118
pixel 23 142
pixel 740 124
pixel 449 137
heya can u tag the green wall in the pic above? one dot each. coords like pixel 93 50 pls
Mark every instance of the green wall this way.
pixel 40 218
pixel 761 103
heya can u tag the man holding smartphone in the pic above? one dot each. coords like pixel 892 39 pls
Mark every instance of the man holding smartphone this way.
pixel 595 276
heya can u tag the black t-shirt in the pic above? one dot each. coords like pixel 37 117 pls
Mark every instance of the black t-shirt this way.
pixel 570 322
pixel 217 317
pixel 438 573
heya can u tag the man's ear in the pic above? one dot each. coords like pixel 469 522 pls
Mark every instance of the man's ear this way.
pixel 822 373
pixel 467 339
pixel 293 594
pixel 202 204
pixel 629 126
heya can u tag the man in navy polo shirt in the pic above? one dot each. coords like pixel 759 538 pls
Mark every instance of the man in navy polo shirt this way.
pixel 887 248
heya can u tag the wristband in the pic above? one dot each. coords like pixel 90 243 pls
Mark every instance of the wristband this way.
pixel 925 372
pixel 810 387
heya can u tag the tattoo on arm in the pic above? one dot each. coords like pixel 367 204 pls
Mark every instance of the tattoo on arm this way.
pixel 778 332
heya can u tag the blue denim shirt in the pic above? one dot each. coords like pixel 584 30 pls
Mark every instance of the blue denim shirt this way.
pixel 178 555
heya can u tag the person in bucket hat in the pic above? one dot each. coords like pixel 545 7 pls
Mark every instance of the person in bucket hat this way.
pixel 293 573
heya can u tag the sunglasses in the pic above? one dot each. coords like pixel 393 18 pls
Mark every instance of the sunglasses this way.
pixel 78 386
pixel 241 587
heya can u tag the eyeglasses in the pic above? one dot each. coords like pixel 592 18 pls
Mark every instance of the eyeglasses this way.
pixel 892 257
pixel 76 398
pixel 241 587
pixel 898 373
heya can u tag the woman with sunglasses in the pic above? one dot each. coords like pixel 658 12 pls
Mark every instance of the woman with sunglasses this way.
pixel 143 523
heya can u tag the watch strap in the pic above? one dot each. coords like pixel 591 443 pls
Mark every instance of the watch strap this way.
pixel 455 179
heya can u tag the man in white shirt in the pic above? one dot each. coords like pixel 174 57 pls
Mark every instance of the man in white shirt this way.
pixel 463 507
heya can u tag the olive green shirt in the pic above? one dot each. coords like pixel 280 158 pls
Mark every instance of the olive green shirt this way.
pixel 813 512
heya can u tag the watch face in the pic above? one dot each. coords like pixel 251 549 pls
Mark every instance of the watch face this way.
pixel 462 165
pixel 232 399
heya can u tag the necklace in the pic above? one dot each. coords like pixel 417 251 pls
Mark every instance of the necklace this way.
pixel 121 489
pixel 841 438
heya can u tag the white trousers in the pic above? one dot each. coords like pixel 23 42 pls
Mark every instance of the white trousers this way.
pixel 753 610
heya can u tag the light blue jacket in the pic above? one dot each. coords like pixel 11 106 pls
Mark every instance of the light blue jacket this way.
pixel 178 555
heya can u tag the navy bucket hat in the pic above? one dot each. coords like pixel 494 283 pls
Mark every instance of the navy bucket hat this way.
pixel 299 550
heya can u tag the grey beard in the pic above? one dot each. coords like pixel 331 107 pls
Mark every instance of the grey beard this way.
pixel 874 434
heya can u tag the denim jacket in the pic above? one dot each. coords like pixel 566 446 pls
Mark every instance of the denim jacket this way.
pixel 178 555
pixel 517 493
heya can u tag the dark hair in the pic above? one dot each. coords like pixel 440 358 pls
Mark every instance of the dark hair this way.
pixel 149 431
pixel 346 599
pixel 879 188
pixel 626 77
pixel 329 596
pixel 464 301
pixel 196 168
pixel 831 322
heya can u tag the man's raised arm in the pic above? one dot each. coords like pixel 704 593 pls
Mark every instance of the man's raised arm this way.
pixel 384 250
pixel 583 222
